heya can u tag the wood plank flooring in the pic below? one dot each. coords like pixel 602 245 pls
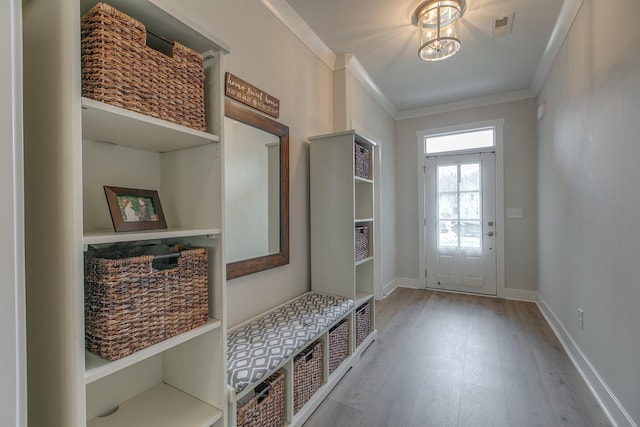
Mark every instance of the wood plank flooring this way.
pixel 444 359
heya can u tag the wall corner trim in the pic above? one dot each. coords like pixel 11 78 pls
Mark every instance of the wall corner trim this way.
pixel 567 15
pixel 613 409
pixel 294 22
pixel 290 18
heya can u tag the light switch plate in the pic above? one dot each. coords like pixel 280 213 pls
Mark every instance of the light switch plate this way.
pixel 514 212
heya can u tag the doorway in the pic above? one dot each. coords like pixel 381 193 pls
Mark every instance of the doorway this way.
pixel 461 202
pixel 460 225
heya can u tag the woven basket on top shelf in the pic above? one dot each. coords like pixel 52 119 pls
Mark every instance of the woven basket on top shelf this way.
pixel 130 306
pixel 265 407
pixel 307 374
pixel 119 69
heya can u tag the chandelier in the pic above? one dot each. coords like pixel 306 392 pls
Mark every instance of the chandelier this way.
pixel 437 22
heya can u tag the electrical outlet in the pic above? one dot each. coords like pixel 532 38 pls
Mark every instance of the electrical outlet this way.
pixel 581 318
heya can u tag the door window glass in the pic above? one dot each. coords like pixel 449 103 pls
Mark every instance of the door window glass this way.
pixel 459 205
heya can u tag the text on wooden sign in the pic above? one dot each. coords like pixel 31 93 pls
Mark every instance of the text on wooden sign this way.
pixel 250 95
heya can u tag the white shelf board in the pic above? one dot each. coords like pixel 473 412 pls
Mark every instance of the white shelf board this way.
pixel 160 406
pixel 364 220
pixel 359 180
pixel 108 236
pixel 361 298
pixel 362 261
pixel 97 367
pixel 114 125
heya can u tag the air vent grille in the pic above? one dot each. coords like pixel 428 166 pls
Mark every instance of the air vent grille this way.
pixel 502 25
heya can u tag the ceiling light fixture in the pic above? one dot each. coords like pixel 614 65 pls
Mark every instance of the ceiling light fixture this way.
pixel 437 22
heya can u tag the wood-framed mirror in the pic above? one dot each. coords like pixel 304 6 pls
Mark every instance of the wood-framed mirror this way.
pixel 256 191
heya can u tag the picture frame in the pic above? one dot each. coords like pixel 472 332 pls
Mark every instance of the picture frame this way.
pixel 134 209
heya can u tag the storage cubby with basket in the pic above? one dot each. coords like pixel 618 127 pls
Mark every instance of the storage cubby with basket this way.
pixel 363 323
pixel 265 406
pixel 131 305
pixel 307 374
pixel 343 221
pixel 338 344
pixel 132 339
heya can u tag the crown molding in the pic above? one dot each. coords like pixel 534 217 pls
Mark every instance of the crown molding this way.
pixel 483 101
pixel 351 62
pixel 568 13
pixel 290 18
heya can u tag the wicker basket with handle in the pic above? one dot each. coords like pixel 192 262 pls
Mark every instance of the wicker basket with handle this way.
pixel 363 323
pixel 130 306
pixel 361 243
pixel 265 407
pixel 338 344
pixel 307 374
pixel 119 69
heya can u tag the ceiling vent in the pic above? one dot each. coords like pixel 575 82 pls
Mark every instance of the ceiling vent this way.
pixel 502 25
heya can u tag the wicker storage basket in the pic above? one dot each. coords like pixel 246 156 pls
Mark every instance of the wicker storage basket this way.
pixel 363 322
pixel 361 160
pixel 128 306
pixel 307 374
pixel 119 69
pixel 265 407
pixel 361 242
pixel 338 344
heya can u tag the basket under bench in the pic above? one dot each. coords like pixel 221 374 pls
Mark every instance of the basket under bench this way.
pixel 285 340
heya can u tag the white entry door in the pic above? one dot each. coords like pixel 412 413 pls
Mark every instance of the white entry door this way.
pixel 460 223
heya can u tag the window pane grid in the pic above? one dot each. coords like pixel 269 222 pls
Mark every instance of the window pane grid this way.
pixel 459 206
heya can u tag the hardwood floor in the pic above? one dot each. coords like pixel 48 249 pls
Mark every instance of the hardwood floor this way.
pixel 444 359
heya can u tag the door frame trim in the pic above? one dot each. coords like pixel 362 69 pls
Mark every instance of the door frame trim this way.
pixel 498 125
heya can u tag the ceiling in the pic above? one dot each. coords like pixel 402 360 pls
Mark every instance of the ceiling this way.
pixel 380 36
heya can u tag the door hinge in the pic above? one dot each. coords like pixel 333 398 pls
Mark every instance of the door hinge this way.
pixel 425 221
pixel 424 170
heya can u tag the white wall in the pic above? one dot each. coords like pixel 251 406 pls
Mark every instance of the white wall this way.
pixel 266 54
pixel 588 194
pixel 519 187
pixel 12 323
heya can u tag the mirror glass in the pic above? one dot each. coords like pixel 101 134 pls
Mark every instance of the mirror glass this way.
pixel 252 188
pixel 256 191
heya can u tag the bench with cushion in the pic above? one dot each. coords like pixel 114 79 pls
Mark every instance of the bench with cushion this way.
pixel 260 346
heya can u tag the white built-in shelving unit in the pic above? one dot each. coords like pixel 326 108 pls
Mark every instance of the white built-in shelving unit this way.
pixel 75 146
pixel 340 201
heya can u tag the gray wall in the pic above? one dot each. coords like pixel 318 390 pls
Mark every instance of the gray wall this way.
pixel 519 187
pixel 12 323
pixel 588 192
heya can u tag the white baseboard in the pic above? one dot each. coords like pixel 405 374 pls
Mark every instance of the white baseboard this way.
pixel 389 288
pixel 520 295
pixel 611 406
pixel 409 283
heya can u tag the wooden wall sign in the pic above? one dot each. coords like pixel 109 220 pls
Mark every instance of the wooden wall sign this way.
pixel 250 95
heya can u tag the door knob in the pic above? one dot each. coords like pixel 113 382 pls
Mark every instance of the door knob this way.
pixel 490 223
pixel 490 233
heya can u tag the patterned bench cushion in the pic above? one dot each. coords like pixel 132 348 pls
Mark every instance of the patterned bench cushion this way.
pixel 262 345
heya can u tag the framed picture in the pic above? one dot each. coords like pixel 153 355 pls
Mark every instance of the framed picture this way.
pixel 134 210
